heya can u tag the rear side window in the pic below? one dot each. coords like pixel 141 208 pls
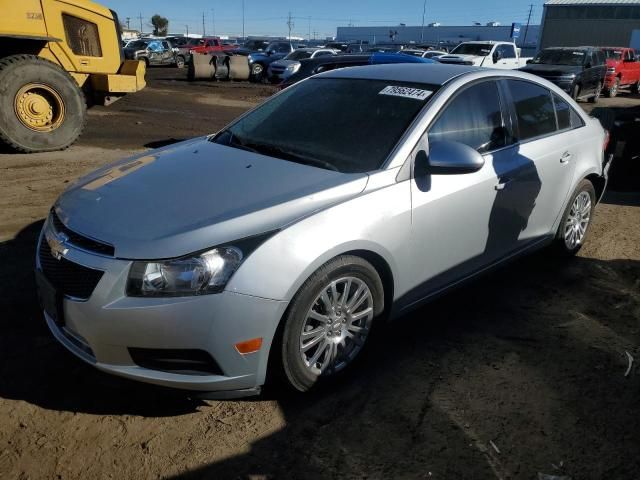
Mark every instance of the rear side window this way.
pixel 567 116
pixel 534 109
pixel 474 118
pixel 82 36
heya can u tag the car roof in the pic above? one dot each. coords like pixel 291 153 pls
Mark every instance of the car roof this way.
pixel 428 73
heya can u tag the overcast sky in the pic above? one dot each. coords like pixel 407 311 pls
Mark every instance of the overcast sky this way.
pixel 270 17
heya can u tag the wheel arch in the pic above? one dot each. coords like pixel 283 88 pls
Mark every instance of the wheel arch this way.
pixel 599 184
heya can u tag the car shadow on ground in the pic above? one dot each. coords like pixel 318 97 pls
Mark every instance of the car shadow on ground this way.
pixel 530 357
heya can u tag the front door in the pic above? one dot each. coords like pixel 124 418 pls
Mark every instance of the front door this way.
pixel 457 228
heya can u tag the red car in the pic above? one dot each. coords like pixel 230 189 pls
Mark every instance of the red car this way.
pixel 623 69
pixel 211 44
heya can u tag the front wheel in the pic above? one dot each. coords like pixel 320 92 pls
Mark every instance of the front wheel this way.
pixel 576 219
pixel 257 72
pixel 329 321
pixel 42 108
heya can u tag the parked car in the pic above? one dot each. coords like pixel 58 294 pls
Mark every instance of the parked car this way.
pixel 259 61
pixel 281 70
pixel 255 46
pixel 623 70
pixel 212 44
pixel 423 53
pixel 579 71
pixel 281 241
pixel 153 52
pixel 313 66
pixel 504 55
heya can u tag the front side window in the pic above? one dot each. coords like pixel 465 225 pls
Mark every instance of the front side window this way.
pixel 534 109
pixel 347 125
pixel 474 118
pixel 82 36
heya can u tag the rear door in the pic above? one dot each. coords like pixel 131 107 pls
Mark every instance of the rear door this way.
pixel 548 141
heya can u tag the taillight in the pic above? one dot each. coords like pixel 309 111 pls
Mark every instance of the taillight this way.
pixel 607 138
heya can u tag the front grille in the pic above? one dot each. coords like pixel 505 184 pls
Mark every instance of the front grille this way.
pixel 68 278
pixel 277 69
pixel 178 361
pixel 81 241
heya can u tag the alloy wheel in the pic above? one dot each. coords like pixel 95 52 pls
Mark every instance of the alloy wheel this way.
pixel 336 325
pixel 575 227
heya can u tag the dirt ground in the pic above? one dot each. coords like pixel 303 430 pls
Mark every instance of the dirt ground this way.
pixel 521 372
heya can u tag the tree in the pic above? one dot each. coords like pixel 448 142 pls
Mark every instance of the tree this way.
pixel 160 25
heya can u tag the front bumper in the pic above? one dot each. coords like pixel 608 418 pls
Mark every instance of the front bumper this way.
pixel 102 329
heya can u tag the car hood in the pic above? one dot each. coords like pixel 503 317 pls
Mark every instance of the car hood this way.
pixel 460 58
pixel 551 70
pixel 195 195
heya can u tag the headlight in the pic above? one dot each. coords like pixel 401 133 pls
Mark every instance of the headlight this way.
pixel 293 68
pixel 201 274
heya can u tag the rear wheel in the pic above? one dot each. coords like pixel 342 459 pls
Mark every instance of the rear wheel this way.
pixel 613 89
pixel 180 61
pixel 596 96
pixel 41 106
pixel 575 92
pixel 636 87
pixel 329 320
pixel 576 219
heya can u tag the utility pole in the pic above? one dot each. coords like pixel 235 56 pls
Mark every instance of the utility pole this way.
pixel 140 17
pixel 213 21
pixel 309 28
pixel 424 11
pixel 187 27
pixel 128 23
pixel 243 37
pixel 290 25
pixel 204 33
pixel 526 30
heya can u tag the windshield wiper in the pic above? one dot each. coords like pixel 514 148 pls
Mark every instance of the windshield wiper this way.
pixel 274 150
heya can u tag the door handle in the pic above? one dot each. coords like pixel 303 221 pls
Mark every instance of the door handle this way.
pixel 566 156
pixel 503 184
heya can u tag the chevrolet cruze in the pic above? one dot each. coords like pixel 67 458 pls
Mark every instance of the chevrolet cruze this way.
pixel 278 243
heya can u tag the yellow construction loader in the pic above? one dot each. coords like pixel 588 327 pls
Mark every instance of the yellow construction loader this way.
pixel 58 57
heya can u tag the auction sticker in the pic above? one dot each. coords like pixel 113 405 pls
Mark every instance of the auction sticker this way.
pixel 406 92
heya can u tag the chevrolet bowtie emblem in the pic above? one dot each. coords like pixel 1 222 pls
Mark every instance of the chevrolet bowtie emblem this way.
pixel 57 243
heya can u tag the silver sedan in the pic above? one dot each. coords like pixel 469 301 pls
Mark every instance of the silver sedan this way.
pixel 344 201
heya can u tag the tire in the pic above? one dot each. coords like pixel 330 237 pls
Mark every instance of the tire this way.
pixel 52 106
pixel 180 63
pixel 613 90
pixel 257 72
pixel 596 96
pixel 636 87
pixel 575 92
pixel 298 368
pixel 563 244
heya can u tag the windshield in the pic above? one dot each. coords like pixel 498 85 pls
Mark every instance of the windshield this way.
pixel 346 125
pixel 613 54
pixel 138 45
pixel 298 55
pixel 256 45
pixel 560 57
pixel 477 49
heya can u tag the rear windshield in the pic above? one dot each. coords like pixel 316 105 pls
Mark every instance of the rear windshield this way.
pixel 560 57
pixel 347 125
pixel 477 49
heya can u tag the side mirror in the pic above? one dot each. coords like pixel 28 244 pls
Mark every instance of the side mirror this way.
pixel 448 158
pixel 497 56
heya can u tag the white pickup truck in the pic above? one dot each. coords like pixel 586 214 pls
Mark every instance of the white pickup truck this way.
pixel 486 54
